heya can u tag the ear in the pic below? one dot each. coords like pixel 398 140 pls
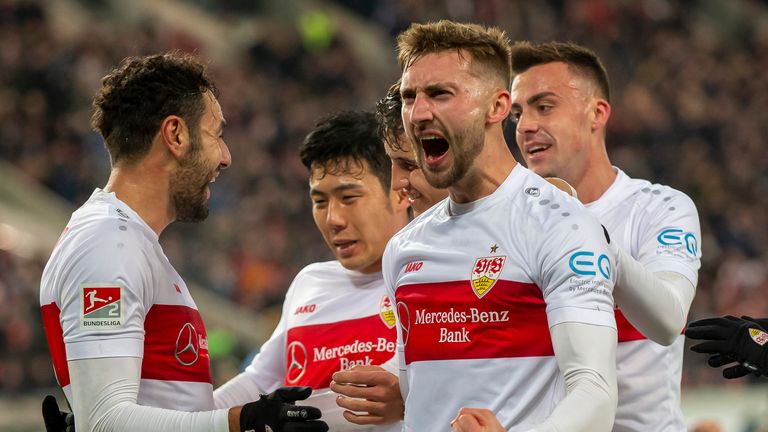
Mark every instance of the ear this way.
pixel 501 103
pixel 601 113
pixel 174 135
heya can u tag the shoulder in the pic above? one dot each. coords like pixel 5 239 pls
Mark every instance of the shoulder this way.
pixel 654 197
pixel 544 208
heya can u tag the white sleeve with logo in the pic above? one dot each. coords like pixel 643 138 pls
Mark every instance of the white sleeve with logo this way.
pixel 670 238
pixel 574 269
pixel 266 373
pixel 112 263
pixel 576 277
pixel 655 291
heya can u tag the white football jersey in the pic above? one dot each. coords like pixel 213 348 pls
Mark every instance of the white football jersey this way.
pixel 477 287
pixel 659 227
pixel 333 319
pixel 108 290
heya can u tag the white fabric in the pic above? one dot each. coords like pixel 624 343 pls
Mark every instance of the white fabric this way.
pixel 589 375
pixel 477 287
pixel 108 292
pixel 338 318
pixel 110 387
pixel 659 228
pixel 656 303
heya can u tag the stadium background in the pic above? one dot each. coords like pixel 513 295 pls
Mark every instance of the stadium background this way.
pixel 690 109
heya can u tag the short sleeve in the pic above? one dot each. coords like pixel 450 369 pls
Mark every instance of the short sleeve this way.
pixel 575 272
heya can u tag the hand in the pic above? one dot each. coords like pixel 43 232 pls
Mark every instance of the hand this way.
pixel 278 411
pixel 732 340
pixel 371 390
pixel 476 420
pixel 56 420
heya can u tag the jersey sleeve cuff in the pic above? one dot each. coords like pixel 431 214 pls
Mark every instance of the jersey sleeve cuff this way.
pixel 604 318
pixel 120 347
pixel 674 267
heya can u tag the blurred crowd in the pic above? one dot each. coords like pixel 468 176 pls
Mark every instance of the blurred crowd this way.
pixel 690 109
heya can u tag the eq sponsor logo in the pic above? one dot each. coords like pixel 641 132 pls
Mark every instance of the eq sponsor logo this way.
pixel 678 239
pixel 584 263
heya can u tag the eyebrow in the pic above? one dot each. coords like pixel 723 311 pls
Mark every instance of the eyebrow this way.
pixel 340 188
pixel 429 88
pixel 535 98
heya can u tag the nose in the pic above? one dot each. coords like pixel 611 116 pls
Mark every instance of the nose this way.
pixel 526 123
pixel 335 216
pixel 421 110
pixel 226 156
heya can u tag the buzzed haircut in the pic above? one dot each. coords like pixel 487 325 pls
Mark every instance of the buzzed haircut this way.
pixel 579 59
pixel 342 142
pixel 488 46
pixel 140 93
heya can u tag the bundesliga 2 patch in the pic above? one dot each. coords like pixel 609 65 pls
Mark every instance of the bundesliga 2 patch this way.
pixel 102 306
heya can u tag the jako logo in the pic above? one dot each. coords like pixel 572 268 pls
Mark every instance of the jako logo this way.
pixel 678 237
pixel 583 263
pixel 305 309
pixel 413 266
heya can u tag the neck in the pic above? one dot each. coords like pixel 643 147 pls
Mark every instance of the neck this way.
pixel 144 189
pixel 488 171
pixel 597 178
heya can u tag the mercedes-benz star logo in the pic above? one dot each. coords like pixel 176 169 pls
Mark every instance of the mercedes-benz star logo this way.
pixel 404 317
pixel 187 345
pixel 297 357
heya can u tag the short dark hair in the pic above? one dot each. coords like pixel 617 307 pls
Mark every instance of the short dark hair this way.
pixel 388 114
pixel 579 59
pixel 342 142
pixel 136 96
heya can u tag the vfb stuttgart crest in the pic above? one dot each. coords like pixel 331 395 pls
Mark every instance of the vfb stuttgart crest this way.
pixel 386 312
pixel 485 273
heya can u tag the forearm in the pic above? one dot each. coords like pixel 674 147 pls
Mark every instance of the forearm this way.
pixel 105 392
pixel 655 303
pixel 238 391
pixel 587 356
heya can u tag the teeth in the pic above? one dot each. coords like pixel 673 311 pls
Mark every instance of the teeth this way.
pixel 429 137
pixel 535 149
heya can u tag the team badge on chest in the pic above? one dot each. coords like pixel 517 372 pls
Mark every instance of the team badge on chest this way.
pixel 485 273
pixel 386 312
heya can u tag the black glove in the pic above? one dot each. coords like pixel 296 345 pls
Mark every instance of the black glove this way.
pixel 56 420
pixel 732 340
pixel 278 411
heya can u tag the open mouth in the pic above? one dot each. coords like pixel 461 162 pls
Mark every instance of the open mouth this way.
pixel 538 148
pixel 434 147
